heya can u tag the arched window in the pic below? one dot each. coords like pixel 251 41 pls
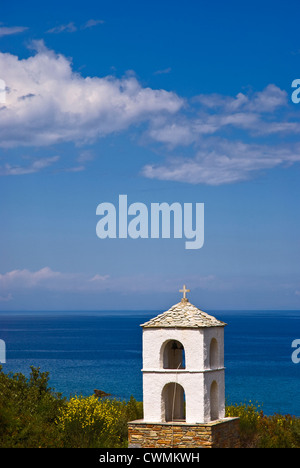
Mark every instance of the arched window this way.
pixel 173 402
pixel 214 401
pixel 213 354
pixel 173 356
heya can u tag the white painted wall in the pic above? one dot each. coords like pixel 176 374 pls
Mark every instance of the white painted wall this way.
pixel 196 344
pixel 196 378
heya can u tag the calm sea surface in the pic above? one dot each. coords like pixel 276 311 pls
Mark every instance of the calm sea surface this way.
pixel 84 351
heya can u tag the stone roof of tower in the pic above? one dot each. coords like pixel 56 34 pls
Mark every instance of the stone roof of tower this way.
pixel 183 315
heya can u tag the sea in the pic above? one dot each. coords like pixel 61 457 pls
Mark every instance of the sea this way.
pixel 84 351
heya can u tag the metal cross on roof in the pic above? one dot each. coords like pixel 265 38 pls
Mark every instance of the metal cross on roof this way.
pixel 184 291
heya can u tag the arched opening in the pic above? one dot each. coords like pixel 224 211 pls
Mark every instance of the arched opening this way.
pixel 173 402
pixel 213 354
pixel 173 355
pixel 214 401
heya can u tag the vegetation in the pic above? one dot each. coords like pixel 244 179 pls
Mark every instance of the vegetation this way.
pixel 261 431
pixel 93 422
pixel 33 415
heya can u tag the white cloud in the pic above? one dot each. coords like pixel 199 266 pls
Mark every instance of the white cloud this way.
pixel 47 102
pixel 86 156
pixel 254 114
pixel 6 298
pixel 47 279
pixel 99 278
pixel 7 31
pixel 267 100
pixel 27 279
pixel 164 71
pixel 35 166
pixel 218 113
pixel 222 162
pixel 17 281
pixel 177 133
pixel 222 132
pixel 91 23
pixel 69 27
pixel 75 169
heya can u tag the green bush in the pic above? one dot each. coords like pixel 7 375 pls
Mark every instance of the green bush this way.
pixel 33 415
pixel 261 431
pixel 28 410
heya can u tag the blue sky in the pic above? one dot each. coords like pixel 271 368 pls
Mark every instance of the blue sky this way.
pixel 185 102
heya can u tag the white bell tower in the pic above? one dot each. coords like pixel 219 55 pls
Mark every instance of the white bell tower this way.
pixel 183 366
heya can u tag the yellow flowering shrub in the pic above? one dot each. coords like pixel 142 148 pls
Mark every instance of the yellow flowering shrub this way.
pixel 89 421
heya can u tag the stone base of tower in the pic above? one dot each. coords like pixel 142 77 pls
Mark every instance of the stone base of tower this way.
pixel 223 433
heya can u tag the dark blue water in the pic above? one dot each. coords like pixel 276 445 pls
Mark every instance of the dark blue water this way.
pixel 85 351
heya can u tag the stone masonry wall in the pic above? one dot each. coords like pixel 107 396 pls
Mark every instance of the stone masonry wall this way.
pixel 216 434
